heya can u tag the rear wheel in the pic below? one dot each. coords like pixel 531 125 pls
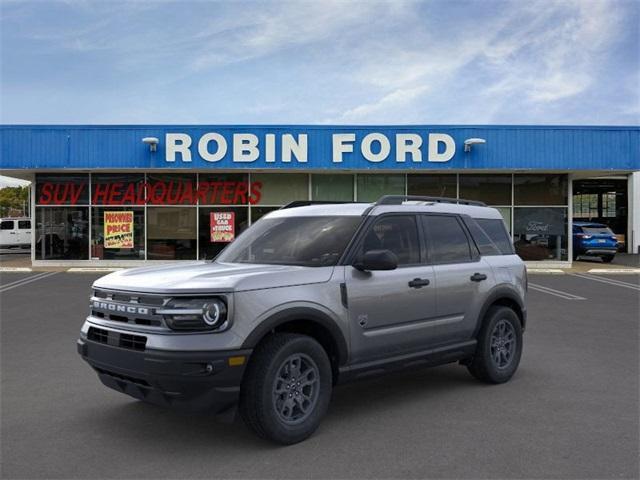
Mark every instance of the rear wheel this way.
pixel 608 258
pixel 287 388
pixel 499 346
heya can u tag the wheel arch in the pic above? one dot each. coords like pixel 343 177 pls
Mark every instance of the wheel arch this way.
pixel 307 321
pixel 507 297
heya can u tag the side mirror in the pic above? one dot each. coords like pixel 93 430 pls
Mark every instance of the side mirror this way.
pixel 377 260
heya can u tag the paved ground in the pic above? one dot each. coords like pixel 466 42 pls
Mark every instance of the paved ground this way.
pixel 620 260
pixel 570 412
pixel 15 257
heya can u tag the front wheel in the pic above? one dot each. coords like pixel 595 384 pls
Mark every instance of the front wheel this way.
pixel 287 388
pixel 499 346
pixel 607 258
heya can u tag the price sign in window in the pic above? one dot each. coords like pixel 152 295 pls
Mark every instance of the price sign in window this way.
pixel 222 227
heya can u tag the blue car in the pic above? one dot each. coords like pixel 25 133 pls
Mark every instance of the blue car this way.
pixel 594 239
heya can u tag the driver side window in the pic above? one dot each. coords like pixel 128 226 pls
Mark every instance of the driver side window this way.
pixel 399 234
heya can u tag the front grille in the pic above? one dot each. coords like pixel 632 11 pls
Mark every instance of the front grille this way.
pixel 133 342
pixel 98 335
pixel 130 308
pixel 116 339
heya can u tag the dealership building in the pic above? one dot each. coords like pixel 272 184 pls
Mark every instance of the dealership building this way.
pixel 124 195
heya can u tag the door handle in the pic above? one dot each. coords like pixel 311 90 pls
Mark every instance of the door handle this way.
pixel 419 283
pixel 478 277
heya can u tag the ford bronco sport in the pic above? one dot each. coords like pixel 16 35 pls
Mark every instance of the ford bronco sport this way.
pixel 308 297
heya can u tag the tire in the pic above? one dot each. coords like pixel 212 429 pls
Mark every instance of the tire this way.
pixel 608 258
pixel 492 366
pixel 268 402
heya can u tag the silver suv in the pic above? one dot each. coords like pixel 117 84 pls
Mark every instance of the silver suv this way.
pixel 310 296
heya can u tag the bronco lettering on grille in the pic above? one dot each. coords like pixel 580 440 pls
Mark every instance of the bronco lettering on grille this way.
pixel 115 307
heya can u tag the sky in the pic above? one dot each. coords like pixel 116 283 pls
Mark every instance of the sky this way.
pixel 320 62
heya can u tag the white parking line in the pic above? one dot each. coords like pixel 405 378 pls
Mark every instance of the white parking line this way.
pixel 546 271
pixel 609 281
pixel 555 293
pixel 614 270
pixel 24 281
pixel 20 280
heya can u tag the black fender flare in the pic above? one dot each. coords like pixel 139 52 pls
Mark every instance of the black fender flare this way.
pixel 498 293
pixel 300 313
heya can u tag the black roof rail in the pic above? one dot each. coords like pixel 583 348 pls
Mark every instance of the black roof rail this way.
pixel 398 199
pixel 306 203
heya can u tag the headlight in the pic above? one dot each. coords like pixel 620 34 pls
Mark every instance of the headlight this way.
pixel 195 314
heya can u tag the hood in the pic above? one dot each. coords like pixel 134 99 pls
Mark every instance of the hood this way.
pixel 199 277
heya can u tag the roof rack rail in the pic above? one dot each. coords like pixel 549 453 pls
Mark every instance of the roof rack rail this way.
pixel 306 203
pixel 398 199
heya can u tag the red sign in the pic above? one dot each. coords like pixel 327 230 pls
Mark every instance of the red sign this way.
pixel 223 228
pixel 156 193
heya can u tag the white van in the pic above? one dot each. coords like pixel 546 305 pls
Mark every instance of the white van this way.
pixel 15 232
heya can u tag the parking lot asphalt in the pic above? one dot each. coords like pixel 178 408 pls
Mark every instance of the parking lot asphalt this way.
pixel 571 411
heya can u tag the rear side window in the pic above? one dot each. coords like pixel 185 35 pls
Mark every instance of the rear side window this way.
pixel 483 242
pixel 6 225
pixel 496 231
pixel 447 241
pixel 24 224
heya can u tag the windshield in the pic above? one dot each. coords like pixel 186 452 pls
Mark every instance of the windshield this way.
pixel 304 241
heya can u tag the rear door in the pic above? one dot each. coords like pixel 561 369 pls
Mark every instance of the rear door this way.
pixel 462 277
pixel 390 311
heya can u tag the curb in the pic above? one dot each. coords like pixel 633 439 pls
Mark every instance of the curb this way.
pixel 94 269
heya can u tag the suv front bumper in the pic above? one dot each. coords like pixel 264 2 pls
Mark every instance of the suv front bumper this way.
pixel 190 380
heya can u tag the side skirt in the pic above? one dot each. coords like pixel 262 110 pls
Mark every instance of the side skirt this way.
pixel 424 358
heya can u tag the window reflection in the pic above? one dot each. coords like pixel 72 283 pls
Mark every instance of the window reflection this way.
pixel 540 233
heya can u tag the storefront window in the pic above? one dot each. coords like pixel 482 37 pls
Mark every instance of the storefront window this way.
pixel 540 233
pixel 258 212
pixel 227 189
pixel 491 189
pixel 172 189
pixel 282 188
pixel 117 233
pixel 171 233
pixel 506 216
pixel 219 226
pixel 117 189
pixel 62 233
pixel 540 189
pixel 332 187
pixel 373 186
pixel 62 189
pixel 432 185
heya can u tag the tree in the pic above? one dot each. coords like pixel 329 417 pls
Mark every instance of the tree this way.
pixel 14 200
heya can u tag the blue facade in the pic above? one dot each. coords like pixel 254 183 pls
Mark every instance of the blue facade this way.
pixel 548 148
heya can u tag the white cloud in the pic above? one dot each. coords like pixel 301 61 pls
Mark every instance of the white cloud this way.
pixel 345 61
pixel 399 98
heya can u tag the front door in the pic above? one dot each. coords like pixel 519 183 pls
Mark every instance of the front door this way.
pixel 390 311
pixel 8 233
